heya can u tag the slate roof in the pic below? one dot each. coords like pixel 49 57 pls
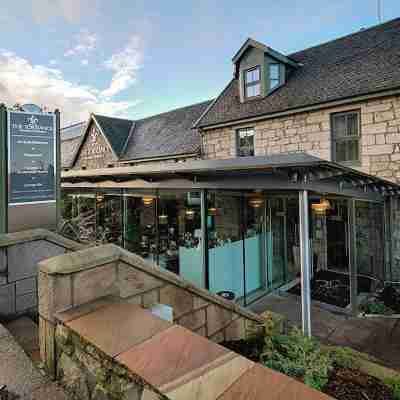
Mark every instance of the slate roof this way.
pixel 69 147
pixel 166 134
pixel 362 63
pixel 73 131
pixel 116 130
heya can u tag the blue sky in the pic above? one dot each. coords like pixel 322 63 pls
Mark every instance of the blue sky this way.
pixel 135 58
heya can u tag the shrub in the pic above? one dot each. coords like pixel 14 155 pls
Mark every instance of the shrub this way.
pixel 394 384
pixel 344 357
pixel 298 356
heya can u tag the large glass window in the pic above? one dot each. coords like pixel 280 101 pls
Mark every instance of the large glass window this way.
pixel 140 227
pixel 245 142
pixel 179 225
pixel 346 136
pixel 252 82
pixel 225 245
pixel 78 216
pixel 109 218
pixel 255 262
pixel 369 240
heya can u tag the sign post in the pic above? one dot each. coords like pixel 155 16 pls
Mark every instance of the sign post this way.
pixel 31 158
pixel 32 167
pixel 3 170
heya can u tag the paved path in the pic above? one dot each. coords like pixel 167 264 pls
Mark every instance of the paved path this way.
pixel 378 337
pixel 18 372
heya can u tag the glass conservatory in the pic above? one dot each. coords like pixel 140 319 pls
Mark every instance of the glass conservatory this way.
pixel 243 228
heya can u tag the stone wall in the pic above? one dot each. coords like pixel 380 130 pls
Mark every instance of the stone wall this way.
pixel 310 132
pixel 87 373
pixel 82 277
pixel 19 254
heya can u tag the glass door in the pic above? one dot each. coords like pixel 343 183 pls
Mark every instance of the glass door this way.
pixel 276 243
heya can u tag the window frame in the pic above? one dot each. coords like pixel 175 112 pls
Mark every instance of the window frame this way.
pixel 346 138
pixel 253 83
pixel 269 76
pixel 253 135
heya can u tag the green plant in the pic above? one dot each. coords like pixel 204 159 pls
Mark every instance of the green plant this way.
pixel 298 356
pixel 394 384
pixel 376 307
pixel 344 357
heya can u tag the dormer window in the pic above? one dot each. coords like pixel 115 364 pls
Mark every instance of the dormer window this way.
pixel 252 82
pixel 274 75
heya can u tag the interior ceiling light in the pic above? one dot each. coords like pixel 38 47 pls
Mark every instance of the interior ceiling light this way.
pixel 321 207
pixel 147 200
pixel 256 202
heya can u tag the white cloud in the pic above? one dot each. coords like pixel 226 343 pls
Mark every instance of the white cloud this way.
pixel 85 62
pixel 124 65
pixel 85 43
pixel 22 82
pixel 71 10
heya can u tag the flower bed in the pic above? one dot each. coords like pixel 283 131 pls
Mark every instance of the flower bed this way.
pixel 335 370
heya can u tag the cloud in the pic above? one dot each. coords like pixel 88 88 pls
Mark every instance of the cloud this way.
pixel 71 10
pixel 86 42
pixel 53 62
pixel 125 65
pixel 85 62
pixel 22 82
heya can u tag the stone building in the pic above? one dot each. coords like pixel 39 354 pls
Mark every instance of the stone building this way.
pixel 307 137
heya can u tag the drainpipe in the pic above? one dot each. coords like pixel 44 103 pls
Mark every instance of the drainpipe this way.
pixel 305 263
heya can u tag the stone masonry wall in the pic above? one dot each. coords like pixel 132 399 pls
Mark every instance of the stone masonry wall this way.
pixel 85 276
pixel 310 132
pixel 87 373
pixel 19 254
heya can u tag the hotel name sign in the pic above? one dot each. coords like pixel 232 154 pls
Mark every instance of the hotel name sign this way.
pixel 95 146
pixel 31 157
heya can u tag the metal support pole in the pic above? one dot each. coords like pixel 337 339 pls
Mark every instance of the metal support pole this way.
pixel 58 167
pixel 305 263
pixel 204 238
pixel 3 170
pixel 352 256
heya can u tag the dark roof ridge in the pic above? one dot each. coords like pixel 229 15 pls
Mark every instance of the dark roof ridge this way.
pixel 73 125
pixel 175 109
pixel 112 117
pixel 360 31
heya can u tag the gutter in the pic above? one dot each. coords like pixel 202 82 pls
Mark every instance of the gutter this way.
pixel 156 158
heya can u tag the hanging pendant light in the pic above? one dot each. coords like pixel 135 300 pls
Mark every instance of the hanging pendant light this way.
pixel 212 211
pixel 256 202
pixel 147 200
pixel 321 207
pixel 189 213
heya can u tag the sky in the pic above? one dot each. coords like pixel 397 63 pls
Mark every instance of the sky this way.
pixel 135 58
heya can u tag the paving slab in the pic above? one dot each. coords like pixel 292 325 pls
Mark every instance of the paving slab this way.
pixel 118 327
pixel 209 383
pixel 171 354
pixel 254 384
